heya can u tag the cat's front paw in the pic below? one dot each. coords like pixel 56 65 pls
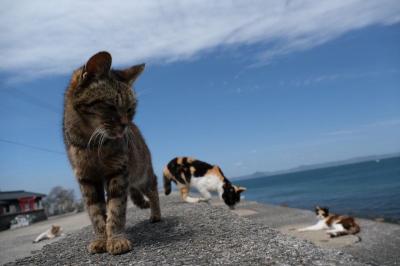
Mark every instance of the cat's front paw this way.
pixel 332 235
pixel 155 219
pixel 145 205
pixel 97 246
pixel 204 199
pixel 118 245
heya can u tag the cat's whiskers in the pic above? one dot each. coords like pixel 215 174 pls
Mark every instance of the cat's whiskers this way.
pixel 93 137
pixel 102 137
pixel 99 136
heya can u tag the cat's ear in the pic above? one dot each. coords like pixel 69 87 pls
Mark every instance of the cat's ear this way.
pixel 129 75
pixel 241 189
pixel 98 65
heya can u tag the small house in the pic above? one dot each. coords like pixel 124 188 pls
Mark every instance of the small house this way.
pixel 13 203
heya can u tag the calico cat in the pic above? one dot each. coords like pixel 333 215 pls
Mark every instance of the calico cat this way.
pixel 188 172
pixel 53 232
pixel 107 151
pixel 336 225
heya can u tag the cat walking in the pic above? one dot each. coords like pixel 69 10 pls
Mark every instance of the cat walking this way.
pixel 106 150
pixel 188 172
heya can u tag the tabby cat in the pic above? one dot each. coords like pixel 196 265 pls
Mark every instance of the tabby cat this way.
pixel 107 151
pixel 336 225
pixel 187 172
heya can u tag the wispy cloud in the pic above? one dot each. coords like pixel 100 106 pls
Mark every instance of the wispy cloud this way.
pixel 240 165
pixel 338 76
pixel 340 133
pixel 253 151
pixel 47 37
pixel 361 128
pixel 384 123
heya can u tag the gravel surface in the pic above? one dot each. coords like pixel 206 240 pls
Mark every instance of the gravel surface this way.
pixel 189 234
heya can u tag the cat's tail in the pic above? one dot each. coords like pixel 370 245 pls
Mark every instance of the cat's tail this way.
pixel 167 181
pixel 355 229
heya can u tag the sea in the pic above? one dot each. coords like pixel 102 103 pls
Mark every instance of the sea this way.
pixel 368 189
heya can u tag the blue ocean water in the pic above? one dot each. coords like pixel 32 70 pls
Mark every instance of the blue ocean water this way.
pixel 368 189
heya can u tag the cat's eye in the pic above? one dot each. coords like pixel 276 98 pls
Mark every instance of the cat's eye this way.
pixel 112 108
pixel 104 105
pixel 86 108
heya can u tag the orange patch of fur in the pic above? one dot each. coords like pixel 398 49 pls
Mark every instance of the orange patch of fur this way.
pixel 216 171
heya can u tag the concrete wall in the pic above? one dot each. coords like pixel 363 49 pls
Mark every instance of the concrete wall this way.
pixel 5 219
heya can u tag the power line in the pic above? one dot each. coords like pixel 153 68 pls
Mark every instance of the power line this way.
pixel 31 99
pixel 35 101
pixel 30 146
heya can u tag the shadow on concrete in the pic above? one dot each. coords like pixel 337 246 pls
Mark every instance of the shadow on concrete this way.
pixel 169 230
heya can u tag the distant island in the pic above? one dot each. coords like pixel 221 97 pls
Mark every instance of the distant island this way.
pixel 318 166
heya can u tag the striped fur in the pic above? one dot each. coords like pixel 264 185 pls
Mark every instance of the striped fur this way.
pixel 107 151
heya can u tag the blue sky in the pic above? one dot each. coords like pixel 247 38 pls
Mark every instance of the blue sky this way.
pixel 248 89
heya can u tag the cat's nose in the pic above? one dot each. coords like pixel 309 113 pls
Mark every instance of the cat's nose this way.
pixel 124 121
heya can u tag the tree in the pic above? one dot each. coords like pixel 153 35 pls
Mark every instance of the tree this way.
pixel 60 200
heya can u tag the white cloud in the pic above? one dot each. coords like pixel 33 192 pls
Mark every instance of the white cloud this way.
pixel 46 37
pixel 240 165
pixel 384 124
pixel 338 76
pixel 340 132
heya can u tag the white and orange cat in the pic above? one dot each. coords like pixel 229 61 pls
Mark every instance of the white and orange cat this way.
pixel 53 232
pixel 336 225
pixel 188 172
